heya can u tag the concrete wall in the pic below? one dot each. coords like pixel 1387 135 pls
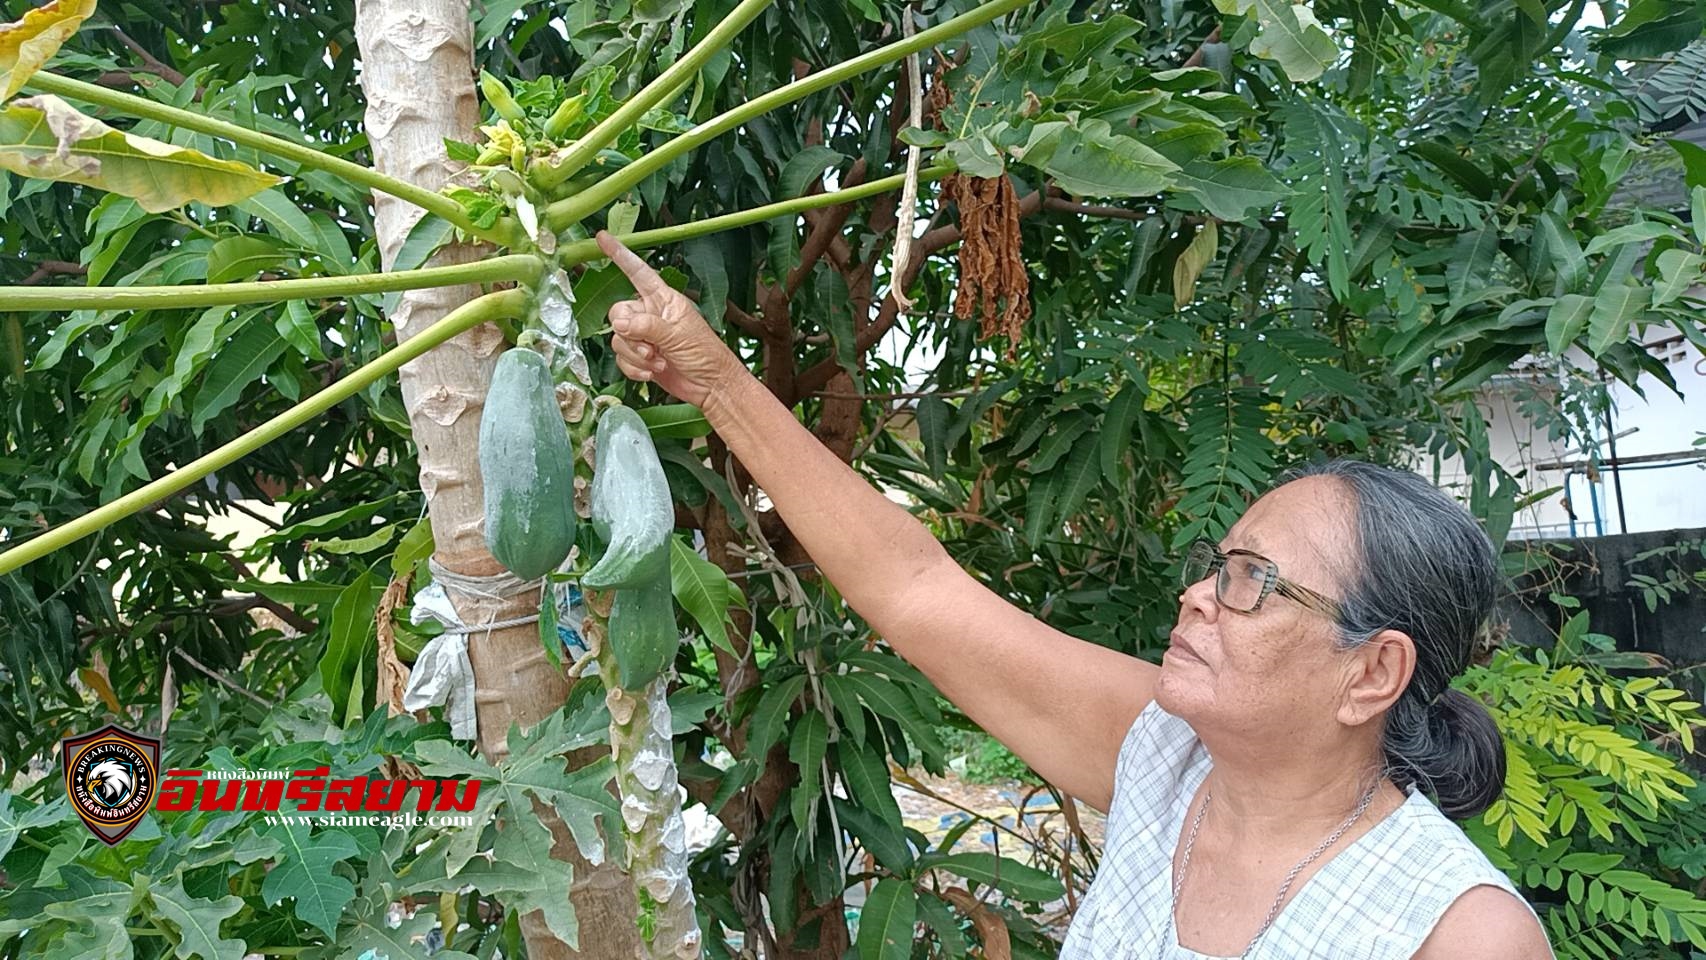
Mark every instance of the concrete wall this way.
pixel 1598 574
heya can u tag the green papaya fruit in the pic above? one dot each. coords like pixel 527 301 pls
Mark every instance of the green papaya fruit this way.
pixel 527 467
pixel 642 631
pixel 631 508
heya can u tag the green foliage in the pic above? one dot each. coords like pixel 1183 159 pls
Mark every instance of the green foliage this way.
pixel 1598 816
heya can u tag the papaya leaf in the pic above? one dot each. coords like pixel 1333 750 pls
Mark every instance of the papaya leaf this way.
pixel 29 42
pixel 304 873
pixel 198 921
pixel 46 137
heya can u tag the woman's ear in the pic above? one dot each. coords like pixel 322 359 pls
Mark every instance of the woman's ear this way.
pixel 1380 670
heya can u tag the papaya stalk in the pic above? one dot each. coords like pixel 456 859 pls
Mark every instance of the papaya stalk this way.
pixel 502 233
pixel 493 306
pixel 571 210
pixel 664 87
pixel 522 267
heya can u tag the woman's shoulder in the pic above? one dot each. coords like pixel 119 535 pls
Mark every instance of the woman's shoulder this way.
pixel 1433 844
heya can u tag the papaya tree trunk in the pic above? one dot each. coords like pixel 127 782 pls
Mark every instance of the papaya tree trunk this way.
pixel 418 79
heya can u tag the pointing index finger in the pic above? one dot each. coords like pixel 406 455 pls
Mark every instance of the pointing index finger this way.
pixel 643 277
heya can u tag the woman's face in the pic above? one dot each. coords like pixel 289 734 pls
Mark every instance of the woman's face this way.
pixel 1274 673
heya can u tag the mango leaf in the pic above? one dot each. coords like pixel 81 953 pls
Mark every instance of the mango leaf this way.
pixel 1080 474
pixel 809 742
pixel 1091 160
pixel 1568 261
pixel 1566 320
pixel 352 627
pixel 885 923
pixel 27 43
pixel 675 421
pixel 295 323
pixel 46 137
pixel 1290 36
pixel 702 589
pixel 1629 233
pixel 243 361
pixel 1470 265
pixel 705 256
pixel 241 258
pixel 945 924
pixel 1005 874
pixel 771 714
pixel 1115 433
pixel 1230 188
pixel 882 837
pixel 1189 266
pixel 804 169
pixel 198 921
pixel 1678 270
pixel 288 221
pixel 932 416
pixel 867 775
pixel 1615 307
pixel 621 219
pixel 304 873
pixel 889 700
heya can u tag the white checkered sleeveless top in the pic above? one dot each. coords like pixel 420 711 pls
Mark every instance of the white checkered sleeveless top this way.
pixel 1376 899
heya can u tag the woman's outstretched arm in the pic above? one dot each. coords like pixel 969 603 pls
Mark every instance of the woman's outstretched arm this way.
pixel 1059 703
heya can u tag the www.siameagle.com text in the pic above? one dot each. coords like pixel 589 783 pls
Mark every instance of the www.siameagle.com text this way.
pixel 393 821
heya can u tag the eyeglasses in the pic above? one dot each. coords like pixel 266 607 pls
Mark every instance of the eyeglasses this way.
pixel 1245 580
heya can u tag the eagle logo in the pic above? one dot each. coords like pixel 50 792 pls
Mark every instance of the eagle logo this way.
pixel 110 778
pixel 111 782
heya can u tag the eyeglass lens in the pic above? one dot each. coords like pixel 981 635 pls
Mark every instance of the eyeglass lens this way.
pixel 1240 581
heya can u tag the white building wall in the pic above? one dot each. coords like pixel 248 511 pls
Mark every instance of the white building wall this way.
pixel 1662 495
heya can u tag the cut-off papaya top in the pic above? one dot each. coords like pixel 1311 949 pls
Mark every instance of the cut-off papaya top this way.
pixel 1377 898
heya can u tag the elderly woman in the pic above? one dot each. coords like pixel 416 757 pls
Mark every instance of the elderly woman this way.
pixel 1281 785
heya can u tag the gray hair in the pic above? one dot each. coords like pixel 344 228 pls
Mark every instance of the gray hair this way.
pixel 1423 566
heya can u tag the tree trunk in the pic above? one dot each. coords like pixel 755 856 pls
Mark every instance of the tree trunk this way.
pixel 418 77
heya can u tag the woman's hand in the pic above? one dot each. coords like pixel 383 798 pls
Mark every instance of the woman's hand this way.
pixel 661 337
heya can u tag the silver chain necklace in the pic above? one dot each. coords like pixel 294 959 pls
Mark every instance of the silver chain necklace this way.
pixel 1279 898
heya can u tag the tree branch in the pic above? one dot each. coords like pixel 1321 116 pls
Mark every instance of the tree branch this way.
pixel 749 324
pixel 54 268
pixel 1064 205
pixel 152 63
pixel 1195 59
